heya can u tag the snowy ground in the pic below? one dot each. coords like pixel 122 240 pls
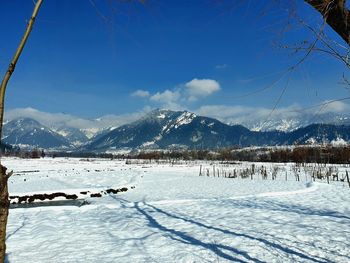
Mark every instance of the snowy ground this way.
pixel 174 215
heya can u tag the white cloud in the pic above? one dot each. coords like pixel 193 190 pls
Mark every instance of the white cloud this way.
pixel 140 93
pixel 165 96
pixel 46 118
pixel 197 88
pixel 168 99
pixel 56 120
pixel 232 114
pixel 334 106
pixel 181 95
pixel 239 112
pixel 266 118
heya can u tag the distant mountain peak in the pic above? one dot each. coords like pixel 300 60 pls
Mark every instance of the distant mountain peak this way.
pixel 29 133
pixel 26 121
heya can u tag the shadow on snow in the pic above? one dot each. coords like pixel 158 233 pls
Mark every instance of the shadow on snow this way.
pixel 223 251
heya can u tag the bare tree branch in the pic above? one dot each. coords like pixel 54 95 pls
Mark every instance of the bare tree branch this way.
pixel 4 202
pixel 336 15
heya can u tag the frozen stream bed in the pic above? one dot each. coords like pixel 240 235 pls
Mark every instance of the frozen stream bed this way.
pixel 174 215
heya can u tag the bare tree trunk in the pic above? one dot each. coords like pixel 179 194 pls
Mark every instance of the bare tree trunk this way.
pixel 336 15
pixel 4 207
pixel 4 202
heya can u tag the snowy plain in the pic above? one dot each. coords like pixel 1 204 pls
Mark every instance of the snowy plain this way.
pixel 174 215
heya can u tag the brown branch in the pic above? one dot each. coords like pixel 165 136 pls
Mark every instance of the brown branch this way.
pixel 330 46
pixel 336 15
pixel 14 60
pixel 4 203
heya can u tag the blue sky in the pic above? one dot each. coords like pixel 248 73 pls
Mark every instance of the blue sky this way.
pixel 92 58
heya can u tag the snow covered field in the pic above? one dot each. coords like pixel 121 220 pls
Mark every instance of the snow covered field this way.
pixel 174 215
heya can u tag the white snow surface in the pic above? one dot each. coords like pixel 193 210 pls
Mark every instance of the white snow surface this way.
pixel 339 142
pixel 184 119
pixel 174 215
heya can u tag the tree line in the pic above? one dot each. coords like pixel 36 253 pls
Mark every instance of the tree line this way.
pixel 297 154
pixel 300 154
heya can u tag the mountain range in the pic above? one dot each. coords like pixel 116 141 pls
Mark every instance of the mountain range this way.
pixel 292 122
pixel 166 129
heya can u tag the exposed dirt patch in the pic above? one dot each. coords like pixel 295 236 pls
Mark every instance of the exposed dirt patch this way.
pixel 48 198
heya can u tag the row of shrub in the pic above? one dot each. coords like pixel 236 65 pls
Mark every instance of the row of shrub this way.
pixel 301 154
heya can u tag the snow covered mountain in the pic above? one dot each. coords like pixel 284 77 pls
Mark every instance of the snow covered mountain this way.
pixel 75 136
pixel 318 133
pixel 178 129
pixel 165 129
pixel 293 122
pixel 28 133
